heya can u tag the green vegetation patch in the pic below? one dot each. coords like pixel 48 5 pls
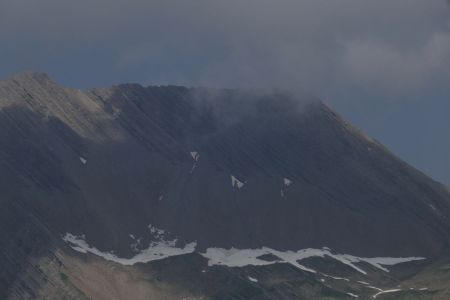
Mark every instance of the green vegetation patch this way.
pixel 63 277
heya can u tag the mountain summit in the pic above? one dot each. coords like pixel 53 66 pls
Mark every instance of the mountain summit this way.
pixel 181 176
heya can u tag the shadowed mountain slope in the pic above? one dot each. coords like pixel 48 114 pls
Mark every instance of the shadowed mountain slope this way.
pixel 223 168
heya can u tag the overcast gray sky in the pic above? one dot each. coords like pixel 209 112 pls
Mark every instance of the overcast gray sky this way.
pixel 383 64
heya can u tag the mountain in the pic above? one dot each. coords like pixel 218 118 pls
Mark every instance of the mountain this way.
pixel 130 191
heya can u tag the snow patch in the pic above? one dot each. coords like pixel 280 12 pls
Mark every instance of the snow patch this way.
pixel 353 295
pixel 336 278
pixel 350 260
pixel 374 288
pixel 287 181
pixel 386 292
pixel 162 248
pixel 136 244
pixel 377 262
pixel 292 257
pixel 236 183
pixel 156 251
pixel 243 257
pixel 236 257
pixel 195 156
pixel 156 232
pixel 78 242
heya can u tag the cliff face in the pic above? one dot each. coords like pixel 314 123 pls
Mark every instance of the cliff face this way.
pixel 224 168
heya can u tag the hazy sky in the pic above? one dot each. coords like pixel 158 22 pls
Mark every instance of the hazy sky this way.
pixel 383 64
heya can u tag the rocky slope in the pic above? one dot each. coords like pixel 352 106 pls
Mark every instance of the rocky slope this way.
pixel 158 171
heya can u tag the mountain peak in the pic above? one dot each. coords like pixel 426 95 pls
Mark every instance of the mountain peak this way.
pixel 28 76
pixel 31 74
pixel 134 174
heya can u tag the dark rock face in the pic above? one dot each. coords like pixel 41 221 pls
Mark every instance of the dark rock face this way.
pixel 107 163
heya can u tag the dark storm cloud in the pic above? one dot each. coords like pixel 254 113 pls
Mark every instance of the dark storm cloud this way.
pixel 360 55
pixel 384 45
